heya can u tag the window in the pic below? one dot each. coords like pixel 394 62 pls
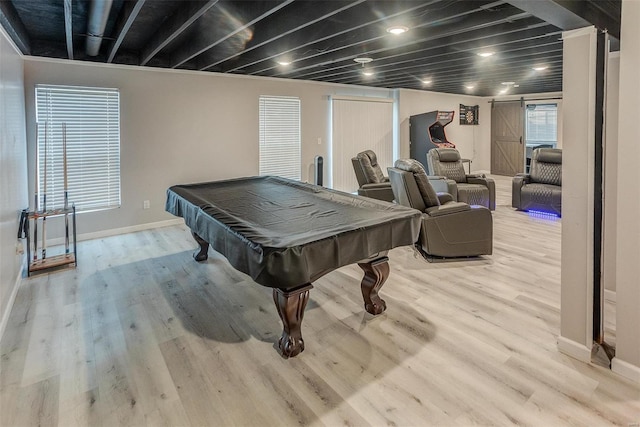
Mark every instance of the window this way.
pixel 542 124
pixel 88 119
pixel 280 137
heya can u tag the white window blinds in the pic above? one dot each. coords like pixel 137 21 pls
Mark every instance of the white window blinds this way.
pixel 542 124
pixel 89 120
pixel 280 137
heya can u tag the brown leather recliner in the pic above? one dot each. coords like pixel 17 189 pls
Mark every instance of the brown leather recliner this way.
pixel 375 185
pixel 370 178
pixel 474 189
pixel 541 189
pixel 449 228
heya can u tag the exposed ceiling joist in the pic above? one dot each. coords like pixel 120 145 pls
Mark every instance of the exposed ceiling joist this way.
pixel 204 42
pixel 14 27
pixel 377 45
pixel 184 17
pixel 128 15
pixel 273 34
pixel 347 30
pixel 68 27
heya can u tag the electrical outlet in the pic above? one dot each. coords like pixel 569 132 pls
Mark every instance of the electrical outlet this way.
pixel 146 204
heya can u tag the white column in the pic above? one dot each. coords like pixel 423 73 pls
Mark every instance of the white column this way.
pixel 627 360
pixel 578 142
pixel 610 194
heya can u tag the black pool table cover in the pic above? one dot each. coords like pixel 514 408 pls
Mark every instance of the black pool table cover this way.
pixel 285 233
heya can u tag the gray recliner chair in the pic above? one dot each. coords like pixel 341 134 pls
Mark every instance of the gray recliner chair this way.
pixel 449 228
pixel 474 189
pixel 370 178
pixel 540 189
pixel 374 184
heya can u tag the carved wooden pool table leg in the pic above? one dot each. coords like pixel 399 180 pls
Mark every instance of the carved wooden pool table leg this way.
pixel 376 273
pixel 203 254
pixel 290 305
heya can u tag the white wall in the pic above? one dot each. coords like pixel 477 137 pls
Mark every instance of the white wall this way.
pixel 627 360
pixel 179 127
pixel 578 86
pixel 473 141
pixel 13 168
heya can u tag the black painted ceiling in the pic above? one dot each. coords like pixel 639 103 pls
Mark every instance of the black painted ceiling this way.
pixel 320 39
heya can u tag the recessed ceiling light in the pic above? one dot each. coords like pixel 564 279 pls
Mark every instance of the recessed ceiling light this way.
pixel 363 60
pixel 397 30
pixel 508 83
pixel 426 81
pixel 540 68
pixel 516 85
pixel 485 54
pixel 284 63
pixel 470 87
pixel 503 91
pixel 368 73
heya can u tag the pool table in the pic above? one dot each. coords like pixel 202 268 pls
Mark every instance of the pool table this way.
pixel 286 234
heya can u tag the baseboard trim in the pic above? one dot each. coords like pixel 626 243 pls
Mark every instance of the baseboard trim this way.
pixel 12 300
pixel 625 369
pixel 118 231
pixel 574 349
pixel 609 295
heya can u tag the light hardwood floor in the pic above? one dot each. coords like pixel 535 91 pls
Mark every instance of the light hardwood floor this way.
pixel 140 334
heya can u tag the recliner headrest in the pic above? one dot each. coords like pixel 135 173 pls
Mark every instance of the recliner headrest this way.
pixel 548 155
pixel 371 155
pixel 447 154
pixel 370 167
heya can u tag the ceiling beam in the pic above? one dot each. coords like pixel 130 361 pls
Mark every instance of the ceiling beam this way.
pixel 14 27
pixel 326 33
pixel 365 36
pixel 68 27
pixel 205 41
pixel 502 35
pixel 593 12
pixel 180 21
pixel 289 24
pixel 125 20
pixel 473 23
pixel 570 14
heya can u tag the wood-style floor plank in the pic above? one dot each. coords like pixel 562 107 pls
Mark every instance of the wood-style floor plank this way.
pixel 141 334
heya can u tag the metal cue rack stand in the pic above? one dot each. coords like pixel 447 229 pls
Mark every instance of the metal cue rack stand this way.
pixel 68 257
pixel 47 262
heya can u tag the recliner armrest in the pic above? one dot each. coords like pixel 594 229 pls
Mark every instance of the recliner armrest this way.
pixel 379 191
pixel 449 208
pixel 445 198
pixel 443 185
pixel 516 186
pixel 524 177
pixel 475 175
pixel 490 184
pixel 376 185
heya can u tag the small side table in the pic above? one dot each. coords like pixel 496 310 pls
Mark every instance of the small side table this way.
pixel 467 161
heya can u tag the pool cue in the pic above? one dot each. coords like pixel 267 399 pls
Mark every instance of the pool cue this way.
pixel 44 198
pixel 35 200
pixel 66 194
